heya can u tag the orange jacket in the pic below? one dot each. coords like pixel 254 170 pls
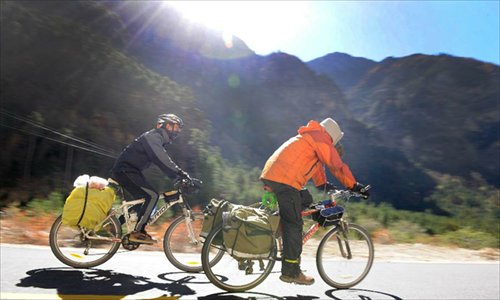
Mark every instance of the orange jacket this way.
pixel 304 157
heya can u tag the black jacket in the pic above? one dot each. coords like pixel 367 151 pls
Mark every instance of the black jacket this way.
pixel 149 148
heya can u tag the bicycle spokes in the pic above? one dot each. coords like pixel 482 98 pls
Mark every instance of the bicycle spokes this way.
pixel 344 258
pixel 82 248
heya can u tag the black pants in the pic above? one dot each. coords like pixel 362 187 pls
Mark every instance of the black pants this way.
pixel 290 207
pixel 135 183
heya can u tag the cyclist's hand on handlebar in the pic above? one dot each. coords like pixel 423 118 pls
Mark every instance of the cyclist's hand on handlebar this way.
pixel 191 185
pixel 196 182
pixel 361 189
pixel 326 187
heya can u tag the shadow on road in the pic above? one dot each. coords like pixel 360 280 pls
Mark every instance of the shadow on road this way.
pixel 69 281
pixel 333 294
pixel 239 296
pixel 359 294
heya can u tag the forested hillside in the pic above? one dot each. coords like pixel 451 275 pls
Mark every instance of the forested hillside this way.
pixel 59 73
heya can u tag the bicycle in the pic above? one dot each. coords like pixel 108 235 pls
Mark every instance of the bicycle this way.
pixel 80 247
pixel 343 258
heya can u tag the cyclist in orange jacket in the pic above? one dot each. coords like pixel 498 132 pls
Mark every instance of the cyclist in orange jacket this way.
pixel 287 171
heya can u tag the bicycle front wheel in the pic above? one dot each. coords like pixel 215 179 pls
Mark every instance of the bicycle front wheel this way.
pixel 231 274
pixel 344 258
pixel 70 245
pixel 182 243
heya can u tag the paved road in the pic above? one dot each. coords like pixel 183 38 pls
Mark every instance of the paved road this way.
pixel 32 272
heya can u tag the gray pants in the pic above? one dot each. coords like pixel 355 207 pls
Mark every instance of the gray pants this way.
pixel 138 187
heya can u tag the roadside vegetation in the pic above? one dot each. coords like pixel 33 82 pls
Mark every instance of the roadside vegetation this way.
pixel 469 217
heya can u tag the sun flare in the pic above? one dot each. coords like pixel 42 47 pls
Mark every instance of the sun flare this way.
pixel 260 24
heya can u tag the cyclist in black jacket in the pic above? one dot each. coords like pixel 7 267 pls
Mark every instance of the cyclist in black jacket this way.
pixel 149 148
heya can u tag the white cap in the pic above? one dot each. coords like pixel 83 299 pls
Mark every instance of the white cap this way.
pixel 333 129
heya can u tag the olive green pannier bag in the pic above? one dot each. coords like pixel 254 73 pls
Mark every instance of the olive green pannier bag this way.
pixel 213 218
pixel 249 232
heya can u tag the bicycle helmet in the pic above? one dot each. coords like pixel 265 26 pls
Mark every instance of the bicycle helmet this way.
pixel 333 129
pixel 165 119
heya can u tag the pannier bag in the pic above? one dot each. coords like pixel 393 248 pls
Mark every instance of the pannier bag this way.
pixel 249 232
pixel 213 217
pixel 87 206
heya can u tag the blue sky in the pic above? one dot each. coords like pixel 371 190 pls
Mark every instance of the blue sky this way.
pixel 371 29
pixel 376 30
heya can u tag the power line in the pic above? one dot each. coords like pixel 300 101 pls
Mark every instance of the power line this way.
pixel 87 146
pixel 45 127
pixel 58 141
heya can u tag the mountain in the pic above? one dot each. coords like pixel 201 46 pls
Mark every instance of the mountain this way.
pixel 255 103
pixel 442 111
pixel 343 69
pixel 104 70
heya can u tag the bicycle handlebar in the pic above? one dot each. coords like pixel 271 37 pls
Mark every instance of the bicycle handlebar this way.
pixel 188 185
pixel 349 193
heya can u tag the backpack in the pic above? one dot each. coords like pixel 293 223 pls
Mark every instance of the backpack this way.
pixel 87 207
pixel 213 218
pixel 249 232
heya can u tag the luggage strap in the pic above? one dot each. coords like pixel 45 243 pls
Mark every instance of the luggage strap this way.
pixel 84 204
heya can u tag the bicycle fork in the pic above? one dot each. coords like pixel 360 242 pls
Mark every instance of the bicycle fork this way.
pixel 342 239
pixel 187 219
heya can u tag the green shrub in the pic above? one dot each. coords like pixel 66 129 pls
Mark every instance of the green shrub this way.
pixel 53 204
pixel 470 238
pixel 406 232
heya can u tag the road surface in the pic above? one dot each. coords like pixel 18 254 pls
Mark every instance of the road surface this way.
pixel 32 272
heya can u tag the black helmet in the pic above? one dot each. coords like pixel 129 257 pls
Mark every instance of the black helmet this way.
pixel 172 119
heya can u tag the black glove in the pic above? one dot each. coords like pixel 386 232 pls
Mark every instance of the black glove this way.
pixel 326 187
pixel 196 183
pixel 193 185
pixel 359 188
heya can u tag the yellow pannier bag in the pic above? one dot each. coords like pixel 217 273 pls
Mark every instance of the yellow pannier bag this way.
pixel 87 207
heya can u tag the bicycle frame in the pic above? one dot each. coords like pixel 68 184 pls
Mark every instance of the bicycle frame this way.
pixel 124 207
pixel 342 226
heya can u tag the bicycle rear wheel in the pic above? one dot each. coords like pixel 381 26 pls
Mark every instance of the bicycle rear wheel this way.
pixel 180 249
pixel 72 248
pixel 231 274
pixel 344 260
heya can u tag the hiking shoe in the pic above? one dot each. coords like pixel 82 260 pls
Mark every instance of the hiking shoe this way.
pixel 299 279
pixel 141 237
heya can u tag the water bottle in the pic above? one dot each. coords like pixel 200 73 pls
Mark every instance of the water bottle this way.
pixel 269 200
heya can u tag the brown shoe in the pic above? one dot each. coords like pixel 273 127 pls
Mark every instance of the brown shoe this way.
pixel 141 237
pixel 299 279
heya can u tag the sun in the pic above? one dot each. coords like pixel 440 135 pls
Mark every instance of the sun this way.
pixel 262 25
